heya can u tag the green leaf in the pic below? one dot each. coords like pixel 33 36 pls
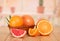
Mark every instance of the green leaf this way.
pixel 40 2
pixel 8 18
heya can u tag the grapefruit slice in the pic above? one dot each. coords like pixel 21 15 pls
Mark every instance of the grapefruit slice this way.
pixel 33 31
pixel 44 27
pixel 18 32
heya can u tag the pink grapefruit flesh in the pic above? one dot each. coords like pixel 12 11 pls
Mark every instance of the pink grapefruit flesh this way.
pixel 18 32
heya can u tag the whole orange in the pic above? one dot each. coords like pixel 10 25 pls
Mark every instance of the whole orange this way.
pixel 28 20
pixel 16 21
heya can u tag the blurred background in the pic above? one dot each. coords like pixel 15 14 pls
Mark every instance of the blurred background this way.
pixel 21 7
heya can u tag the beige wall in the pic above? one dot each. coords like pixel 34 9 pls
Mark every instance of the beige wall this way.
pixel 27 6
pixel 30 7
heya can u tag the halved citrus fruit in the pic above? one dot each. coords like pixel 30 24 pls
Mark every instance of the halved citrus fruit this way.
pixel 44 27
pixel 33 31
pixel 18 32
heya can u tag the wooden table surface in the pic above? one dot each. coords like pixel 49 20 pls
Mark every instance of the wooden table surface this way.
pixel 6 36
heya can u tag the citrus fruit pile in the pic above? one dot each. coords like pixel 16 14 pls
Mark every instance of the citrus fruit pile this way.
pixel 22 25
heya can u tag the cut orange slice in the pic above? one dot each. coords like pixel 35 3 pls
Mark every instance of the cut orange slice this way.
pixel 33 32
pixel 44 27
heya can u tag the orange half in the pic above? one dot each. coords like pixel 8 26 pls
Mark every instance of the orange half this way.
pixel 44 27
pixel 33 32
